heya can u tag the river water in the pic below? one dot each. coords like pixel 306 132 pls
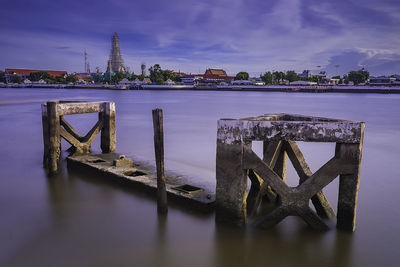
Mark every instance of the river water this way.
pixel 78 220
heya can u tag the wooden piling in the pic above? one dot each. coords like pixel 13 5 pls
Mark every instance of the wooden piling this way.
pixel 108 132
pixel 53 122
pixel 45 136
pixel 162 206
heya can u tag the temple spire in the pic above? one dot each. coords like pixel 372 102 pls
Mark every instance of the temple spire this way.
pixel 115 63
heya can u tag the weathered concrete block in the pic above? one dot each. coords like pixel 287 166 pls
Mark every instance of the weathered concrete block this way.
pixel 236 162
pixel 122 161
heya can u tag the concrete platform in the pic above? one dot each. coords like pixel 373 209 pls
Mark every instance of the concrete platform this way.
pixel 141 174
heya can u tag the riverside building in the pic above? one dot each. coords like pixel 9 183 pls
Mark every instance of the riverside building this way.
pixel 24 73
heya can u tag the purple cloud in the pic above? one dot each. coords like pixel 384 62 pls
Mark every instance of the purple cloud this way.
pixel 191 35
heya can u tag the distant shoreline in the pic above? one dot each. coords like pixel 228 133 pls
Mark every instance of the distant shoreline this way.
pixel 242 88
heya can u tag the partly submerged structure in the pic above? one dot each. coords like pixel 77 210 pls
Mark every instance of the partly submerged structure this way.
pixel 115 63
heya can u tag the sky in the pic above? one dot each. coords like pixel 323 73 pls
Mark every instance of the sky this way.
pixel 253 35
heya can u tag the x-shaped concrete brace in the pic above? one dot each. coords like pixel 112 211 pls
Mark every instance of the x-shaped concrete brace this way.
pixel 81 144
pixel 295 201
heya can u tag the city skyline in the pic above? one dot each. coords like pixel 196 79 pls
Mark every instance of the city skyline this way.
pixel 253 36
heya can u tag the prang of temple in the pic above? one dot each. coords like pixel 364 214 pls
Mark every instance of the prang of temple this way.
pixel 115 63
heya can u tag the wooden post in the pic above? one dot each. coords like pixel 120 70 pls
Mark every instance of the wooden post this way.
pixel 45 136
pixel 162 206
pixel 108 132
pixel 53 122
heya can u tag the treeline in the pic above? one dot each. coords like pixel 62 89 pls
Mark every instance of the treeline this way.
pixel 279 77
pixel 276 77
pixel 160 76
pixel 114 78
pixel 157 75
pixel 357 77
pixel 2 77
pixel 41 75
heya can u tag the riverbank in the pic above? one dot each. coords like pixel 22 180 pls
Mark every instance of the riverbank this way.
pixel 258 88
pixel 280 88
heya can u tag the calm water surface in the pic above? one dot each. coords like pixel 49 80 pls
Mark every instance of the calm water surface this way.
pixel 79 220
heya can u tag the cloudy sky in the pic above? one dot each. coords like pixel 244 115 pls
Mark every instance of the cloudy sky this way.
pixel 191 35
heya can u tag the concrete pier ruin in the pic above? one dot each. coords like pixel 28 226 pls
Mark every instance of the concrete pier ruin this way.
pixel 56 127
pixel 109 164
pixel 236 163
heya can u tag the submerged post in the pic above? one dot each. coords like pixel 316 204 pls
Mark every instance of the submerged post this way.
pixel 54 139
pixel 108 138
pixel 162 206
pixel 45 136
pixel 348 186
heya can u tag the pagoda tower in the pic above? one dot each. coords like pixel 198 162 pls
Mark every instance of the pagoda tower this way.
pixel 115 63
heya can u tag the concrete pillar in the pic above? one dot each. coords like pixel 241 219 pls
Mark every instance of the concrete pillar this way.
pixel 231 183
pixel 348 186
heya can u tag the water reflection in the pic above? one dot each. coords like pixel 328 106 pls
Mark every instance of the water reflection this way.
pixel 161 242
pixel 260 247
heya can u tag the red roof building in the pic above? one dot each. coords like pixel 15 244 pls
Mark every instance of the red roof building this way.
pixel 220 72
pixel 23 72
pixel 210 76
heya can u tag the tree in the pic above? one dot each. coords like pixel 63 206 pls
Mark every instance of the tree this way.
pixel 16 79
pixel 40 75
pixel 133 77
pixel 71 79
pixel 392 76
pixel 278 76
pixel 156 74
pixel 310 79
pixel 118 77
pixel 292 76
pixel 168 74
pixel 2 77
pixel 268 78
pixel 242 76
pixel 60 79
pixel 176 78
pixel 97 78
pixel 357 77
